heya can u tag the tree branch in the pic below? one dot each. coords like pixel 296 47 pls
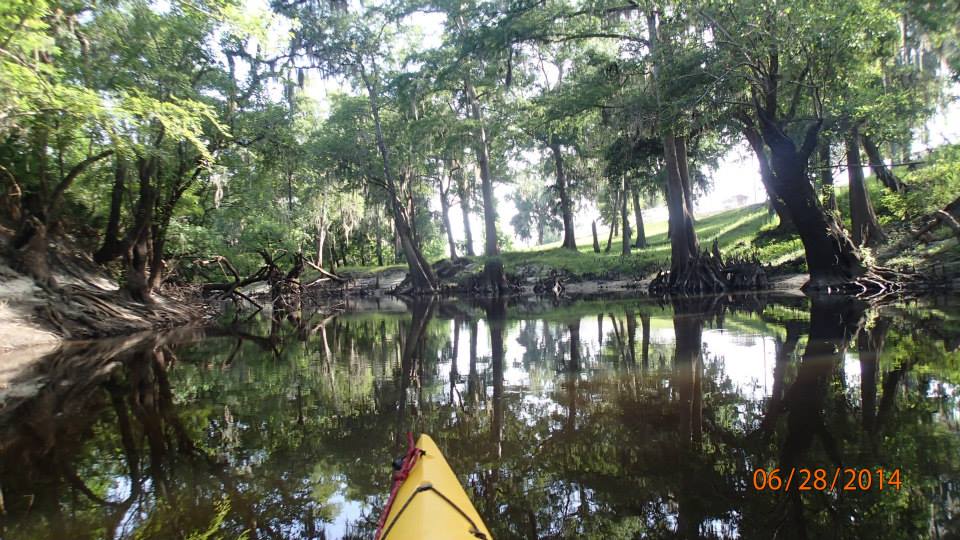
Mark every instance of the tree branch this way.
pixel 71 176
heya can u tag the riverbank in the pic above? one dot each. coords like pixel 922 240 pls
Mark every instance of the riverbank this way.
pixel 748 232
pixel 85 304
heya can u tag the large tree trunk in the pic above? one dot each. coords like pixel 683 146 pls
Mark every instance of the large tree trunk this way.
pixel 766 178
pixel 445 209
pixel 826 178
pixel 137 245
pixel 39 211
pixel 379 234
pixel 684 245
pixel 683 167
pixel 638 214
pixel 163 215
pixel 29 250
pixel 624 217
pixel 566 205
pixel 613 224
pixel 866 229
pixel 884 174
pixel 832 259
pixel 397 245
pixel 320 237
pixel 463 192
pixel 596 241
pixel 112 245
pixel 157 265
pixel 493 267
pixel 421 275
pixel 135 273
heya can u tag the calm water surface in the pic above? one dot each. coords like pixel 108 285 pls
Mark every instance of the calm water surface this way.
pixel 594 419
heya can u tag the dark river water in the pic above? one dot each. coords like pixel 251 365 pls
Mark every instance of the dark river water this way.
pixel 593 419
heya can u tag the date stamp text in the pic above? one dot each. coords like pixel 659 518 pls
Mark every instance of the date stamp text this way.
pixel 819 479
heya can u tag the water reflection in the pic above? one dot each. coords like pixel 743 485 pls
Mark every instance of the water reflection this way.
pixel 588 420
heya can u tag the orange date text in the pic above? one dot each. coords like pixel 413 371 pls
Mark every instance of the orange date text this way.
pixel 838 479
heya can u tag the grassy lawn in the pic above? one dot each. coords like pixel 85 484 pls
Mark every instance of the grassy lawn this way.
pixel 736 232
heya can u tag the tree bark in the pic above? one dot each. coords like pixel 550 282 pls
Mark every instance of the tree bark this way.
pixel 613 224
pixel 420 272
pixel 683 166
pixel 38 213
pixel 833 261
pixel 566 205
pixel 638 214
pixel 445 209
pixel 624 217
pixel 684 245
pixel 493 267
pixel 112 246
pixel 766 178
pixel 379 234
pixel 137 249
pixel 463 192
pixel 321 237
pixel 831 257
pixel 596 241
pixel 826 178
pixel 157 263
pixel 866 229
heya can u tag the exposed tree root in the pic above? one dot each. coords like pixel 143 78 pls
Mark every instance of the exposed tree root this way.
pixel 710 274
pixel 876 284
pixel 76 312
pixel 553 284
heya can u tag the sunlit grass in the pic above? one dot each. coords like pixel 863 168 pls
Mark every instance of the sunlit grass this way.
pixel 735 231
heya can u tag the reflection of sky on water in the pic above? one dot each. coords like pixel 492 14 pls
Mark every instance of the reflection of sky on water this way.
pixel 747 360
pixel 246 416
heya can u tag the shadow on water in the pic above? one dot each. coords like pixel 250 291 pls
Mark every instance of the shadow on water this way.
pixel 600 419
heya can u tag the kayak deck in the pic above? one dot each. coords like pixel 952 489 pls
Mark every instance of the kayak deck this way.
pixel 431 503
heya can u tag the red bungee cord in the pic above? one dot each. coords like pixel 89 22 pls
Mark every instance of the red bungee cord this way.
pixel 409 460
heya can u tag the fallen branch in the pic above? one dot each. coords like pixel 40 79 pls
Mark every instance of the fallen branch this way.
pixel 228 289
pixel 324 273
pixel 945 216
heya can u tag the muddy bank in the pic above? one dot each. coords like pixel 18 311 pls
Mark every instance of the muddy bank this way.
pixel 85 303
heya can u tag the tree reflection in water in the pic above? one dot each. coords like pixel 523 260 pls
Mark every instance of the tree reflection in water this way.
pixel 587 420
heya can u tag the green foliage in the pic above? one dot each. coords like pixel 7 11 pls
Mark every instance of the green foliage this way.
pixel 217 95
pixel 934 184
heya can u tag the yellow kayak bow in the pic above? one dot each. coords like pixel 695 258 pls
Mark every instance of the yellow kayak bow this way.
pixel 427 501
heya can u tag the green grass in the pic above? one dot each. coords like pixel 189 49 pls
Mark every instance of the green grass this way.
pixel 736 232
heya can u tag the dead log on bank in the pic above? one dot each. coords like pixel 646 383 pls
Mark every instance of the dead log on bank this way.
pixel 946 216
